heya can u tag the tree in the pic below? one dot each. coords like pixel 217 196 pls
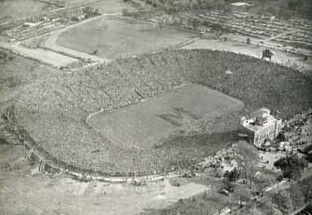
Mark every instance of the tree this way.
pixel 233 175
pixel 292 166
pixel 248 40
pixel 308 153
pixel 125 12
pixel 5 57
pixel 161 23
pixel 90 12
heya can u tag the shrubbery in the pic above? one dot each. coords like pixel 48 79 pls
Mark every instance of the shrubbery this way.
pixel 292 166
pixel 5 57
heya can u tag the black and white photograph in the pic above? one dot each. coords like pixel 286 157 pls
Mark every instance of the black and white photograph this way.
pixel 155 107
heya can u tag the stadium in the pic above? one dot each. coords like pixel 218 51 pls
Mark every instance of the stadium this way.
pixel 152 113
pixel 155 107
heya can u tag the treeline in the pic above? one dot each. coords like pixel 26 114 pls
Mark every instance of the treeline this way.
pixel 284 8
pixel 5 57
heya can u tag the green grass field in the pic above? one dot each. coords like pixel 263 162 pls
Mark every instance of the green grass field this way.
pixel 111 39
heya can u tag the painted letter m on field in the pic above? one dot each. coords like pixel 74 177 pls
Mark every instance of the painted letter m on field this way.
pixel 176 118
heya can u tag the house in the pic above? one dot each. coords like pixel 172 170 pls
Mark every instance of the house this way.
pixel 261 126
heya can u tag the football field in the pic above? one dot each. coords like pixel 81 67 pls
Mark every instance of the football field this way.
pixel 112 38
pixel 142 124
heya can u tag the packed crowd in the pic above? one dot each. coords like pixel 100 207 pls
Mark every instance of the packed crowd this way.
pixel 246 80
pixel 54 111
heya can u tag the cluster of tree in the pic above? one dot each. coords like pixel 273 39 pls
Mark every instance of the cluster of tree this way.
pixel 284 8
pixel 5 57
pixel 230 178
pixel 91 12
pixel 173 6
pixel 291 166
pixel 233 175
pixel 308 153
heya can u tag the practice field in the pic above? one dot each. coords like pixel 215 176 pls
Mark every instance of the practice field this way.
pixel 144 122
pixel 111 38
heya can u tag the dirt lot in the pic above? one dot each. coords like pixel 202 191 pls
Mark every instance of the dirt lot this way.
pixel 132 125
pixel 111 38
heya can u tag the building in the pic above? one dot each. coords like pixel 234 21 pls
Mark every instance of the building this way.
pixel 261 126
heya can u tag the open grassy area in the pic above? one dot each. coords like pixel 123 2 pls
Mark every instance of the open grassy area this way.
pixel 112 39
pixel 51 113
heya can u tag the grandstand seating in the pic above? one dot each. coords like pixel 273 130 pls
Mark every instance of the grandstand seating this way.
pixel 54 112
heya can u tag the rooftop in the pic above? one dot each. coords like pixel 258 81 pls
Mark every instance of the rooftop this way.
pixel 257 126
pixel 258 119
